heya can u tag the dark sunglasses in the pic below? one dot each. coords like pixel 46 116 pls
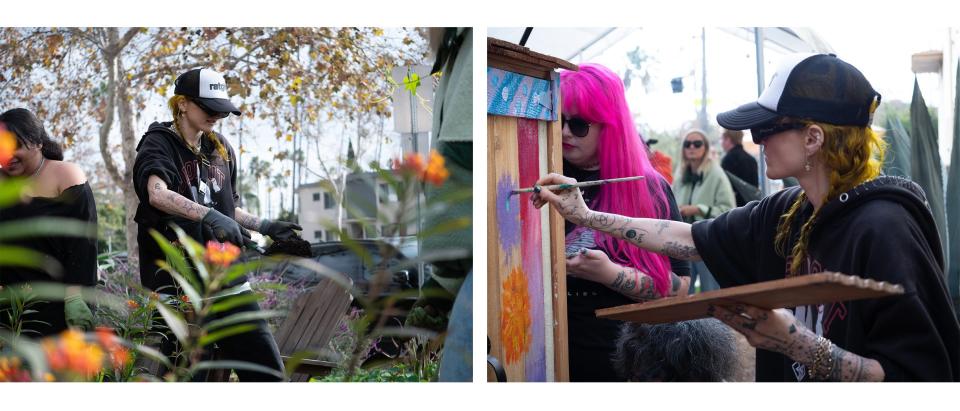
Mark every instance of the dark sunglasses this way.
pixel 209 112
pixel 578 126
pixel 694 143
pixel 763 132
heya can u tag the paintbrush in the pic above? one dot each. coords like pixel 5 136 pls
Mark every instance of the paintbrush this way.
pixel 536 189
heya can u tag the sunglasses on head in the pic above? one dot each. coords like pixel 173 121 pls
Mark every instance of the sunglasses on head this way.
pixel 578 126
pixel 211 113
pixel 693 143
pixel 764 132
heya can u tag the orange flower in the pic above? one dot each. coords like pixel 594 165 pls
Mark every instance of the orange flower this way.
pixel 8 144
pixel 436 172
pixel 412 163
pixel 10 370
pixel 71 353
pixel 118 354
pixel 133 305
pixel 185 299
pixel 221 254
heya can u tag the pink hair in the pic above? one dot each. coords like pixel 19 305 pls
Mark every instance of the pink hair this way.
pixel 598 96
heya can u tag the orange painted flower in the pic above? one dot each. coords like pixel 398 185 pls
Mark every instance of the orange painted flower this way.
pixel 11 370
pixel 72 354
pixel 412 163
pixel 133 305
pixel 515 320
pixel 8 144
pixel 436 172
pixel 221 254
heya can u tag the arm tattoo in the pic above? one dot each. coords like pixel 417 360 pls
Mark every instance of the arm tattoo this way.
pixel 635 285
pixel 171 202
pixel 247 220
pixel 848 366
pixel 675 284
pixel 679 251
pixel 662 225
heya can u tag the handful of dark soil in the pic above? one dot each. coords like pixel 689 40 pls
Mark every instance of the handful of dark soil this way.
pixel 296 247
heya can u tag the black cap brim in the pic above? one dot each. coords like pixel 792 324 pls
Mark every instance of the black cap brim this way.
pixel 218 105
pixel 746 116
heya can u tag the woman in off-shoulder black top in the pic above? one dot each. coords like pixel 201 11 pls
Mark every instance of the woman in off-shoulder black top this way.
pixel 57 189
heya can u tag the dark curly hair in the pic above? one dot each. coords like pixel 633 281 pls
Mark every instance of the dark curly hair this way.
pixel 702 350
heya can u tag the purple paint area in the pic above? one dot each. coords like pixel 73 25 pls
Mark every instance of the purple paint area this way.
pixel 508 214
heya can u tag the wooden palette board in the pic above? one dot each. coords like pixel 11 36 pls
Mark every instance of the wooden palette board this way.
pixel 809 289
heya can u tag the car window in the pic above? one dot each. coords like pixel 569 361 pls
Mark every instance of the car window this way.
pixel 342 262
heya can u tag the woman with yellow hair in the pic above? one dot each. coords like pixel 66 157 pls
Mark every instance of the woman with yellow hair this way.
pixel 814 123
pixel 185 175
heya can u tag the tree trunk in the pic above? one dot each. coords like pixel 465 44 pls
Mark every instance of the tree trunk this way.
pixel 118 99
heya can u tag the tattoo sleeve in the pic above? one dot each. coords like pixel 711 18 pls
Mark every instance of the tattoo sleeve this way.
pixel 847 366
pixel 172 202
pixel 247 220
pixel 671 238
pixel 634 285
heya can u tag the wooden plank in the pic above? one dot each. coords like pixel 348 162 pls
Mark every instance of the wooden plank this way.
pixel 520 67
pixel 503 252
pixel 558 262
pixel 521 53
pixel 312 322
pixel 809 289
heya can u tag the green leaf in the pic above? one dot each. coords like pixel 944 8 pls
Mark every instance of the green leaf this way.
pixel 185 286
pixel 174 321
pixel 234 301
pixel 238 270
pixel 12 256
pixel 10 191
pixel 402 332
pixel 242 317
pixel 45 227
pixel 445 227
pixel 235 365
pixel 30 351
pixel 174 255
pixel 224 333
pixel 195 250
pixel 149 353
pixel 411 82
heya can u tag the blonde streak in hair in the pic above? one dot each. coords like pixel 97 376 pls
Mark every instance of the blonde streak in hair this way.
pixel 219 146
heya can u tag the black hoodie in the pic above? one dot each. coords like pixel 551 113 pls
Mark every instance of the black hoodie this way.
pixel 163 153
pixel 881 229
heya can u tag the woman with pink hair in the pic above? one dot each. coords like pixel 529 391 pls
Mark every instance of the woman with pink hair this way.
pixel 600 141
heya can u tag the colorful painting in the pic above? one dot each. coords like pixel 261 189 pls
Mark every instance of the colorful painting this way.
pixel 515 316
pixel 517 95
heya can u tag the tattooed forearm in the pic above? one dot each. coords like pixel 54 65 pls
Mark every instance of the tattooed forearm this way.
pixel 848 366
pixel 662 225
pixel 672 238
pixel 247 220
pixel 635 285
pixel 680 251
pixel 173 203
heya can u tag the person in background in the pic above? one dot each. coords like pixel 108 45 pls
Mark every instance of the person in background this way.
pixel 738 162
pixel 703 192
pixel 660 160
pixel 57 189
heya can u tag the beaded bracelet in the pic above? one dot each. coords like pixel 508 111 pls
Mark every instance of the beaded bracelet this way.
pixel 819 370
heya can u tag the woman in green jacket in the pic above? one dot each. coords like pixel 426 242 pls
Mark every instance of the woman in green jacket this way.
pixel 702 191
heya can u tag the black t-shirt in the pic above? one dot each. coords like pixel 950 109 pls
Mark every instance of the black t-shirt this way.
pixel 163 153
pixel 880 230
pixel 592 340
pixel 77 255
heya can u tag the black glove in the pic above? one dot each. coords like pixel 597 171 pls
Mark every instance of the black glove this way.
pixel 223 228
pixel 279 230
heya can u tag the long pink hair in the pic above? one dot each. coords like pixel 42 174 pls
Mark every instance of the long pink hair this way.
pixel 597 94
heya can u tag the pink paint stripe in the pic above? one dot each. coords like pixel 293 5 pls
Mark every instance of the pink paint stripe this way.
pixel 530 245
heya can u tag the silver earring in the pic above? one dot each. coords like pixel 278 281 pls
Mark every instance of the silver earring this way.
pixel 806 165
